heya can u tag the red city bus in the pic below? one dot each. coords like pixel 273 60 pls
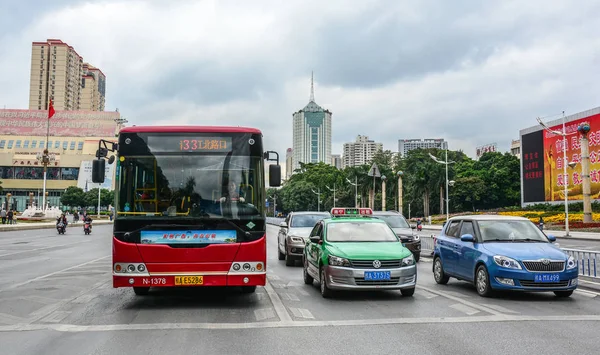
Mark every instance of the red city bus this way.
pixel 189 206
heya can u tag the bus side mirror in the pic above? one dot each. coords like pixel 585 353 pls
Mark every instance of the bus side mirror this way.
pixel 274 175
pixel 98 166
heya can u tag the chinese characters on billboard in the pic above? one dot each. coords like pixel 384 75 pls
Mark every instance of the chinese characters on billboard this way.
pixel 554 148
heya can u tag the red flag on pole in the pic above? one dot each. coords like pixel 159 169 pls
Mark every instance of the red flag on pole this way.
pixel 50 110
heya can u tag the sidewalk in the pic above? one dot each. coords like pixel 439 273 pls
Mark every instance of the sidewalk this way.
pixel 557 233
pixel 43 225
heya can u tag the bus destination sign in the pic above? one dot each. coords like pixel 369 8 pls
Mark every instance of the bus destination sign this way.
pixel 189 144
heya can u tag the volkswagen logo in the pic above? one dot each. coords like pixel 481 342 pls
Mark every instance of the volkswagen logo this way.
pixel 545 262
pixel 377 264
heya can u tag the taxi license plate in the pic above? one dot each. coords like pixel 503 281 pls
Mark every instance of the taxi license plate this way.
pixel 377 275
pixel 546 278
pixel 189 280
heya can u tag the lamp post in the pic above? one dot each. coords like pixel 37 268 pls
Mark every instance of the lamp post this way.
pixel 330 189
pixel 383 178
pixel 584 129
pixel 400 173
pixel 274 205
pixel 355 184
pixel 564 135
pixel 99 189
pixel 318 198
pixel 45 158
pixel 448 182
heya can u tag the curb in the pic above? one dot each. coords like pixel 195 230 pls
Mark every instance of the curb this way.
pixel 25 226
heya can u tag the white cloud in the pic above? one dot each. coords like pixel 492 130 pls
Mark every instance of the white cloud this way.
pixel 387 69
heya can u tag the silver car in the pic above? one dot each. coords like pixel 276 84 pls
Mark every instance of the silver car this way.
pixel 294 232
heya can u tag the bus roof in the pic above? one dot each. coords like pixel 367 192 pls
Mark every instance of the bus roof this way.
pixel 189 129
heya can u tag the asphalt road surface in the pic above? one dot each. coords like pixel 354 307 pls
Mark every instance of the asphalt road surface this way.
pixel 56 297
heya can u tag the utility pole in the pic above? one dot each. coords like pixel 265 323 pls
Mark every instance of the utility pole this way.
pixel 330 189
pixel 318 199
pixel 355 183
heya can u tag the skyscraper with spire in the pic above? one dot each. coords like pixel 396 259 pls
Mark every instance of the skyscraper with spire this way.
pixel 311 132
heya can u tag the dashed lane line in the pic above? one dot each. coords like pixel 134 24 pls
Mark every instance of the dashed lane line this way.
pixel 465 309
pixel 265 313
pixel 460 300
pixel 72 328
pixel 282 313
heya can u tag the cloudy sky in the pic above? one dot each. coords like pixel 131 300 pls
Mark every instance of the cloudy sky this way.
pixel 472 72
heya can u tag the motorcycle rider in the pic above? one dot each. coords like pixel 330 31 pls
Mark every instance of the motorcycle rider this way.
pixel 87 219
pixel 62 219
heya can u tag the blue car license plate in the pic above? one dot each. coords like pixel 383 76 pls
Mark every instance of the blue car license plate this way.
pixel 546 278
pixel 377 275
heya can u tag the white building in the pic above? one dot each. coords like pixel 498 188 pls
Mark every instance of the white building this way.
pixel 515 148
pixel 361 151
pixel 406 145
pixel 312 133
pixel 336 160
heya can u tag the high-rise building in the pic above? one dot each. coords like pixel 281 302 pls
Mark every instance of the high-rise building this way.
pixel 289 168
pixel 515 148
pixel 93 88
pixel 406 145
pixel 58 73
pixel 361 151
pixel 336 160
pixel 312 133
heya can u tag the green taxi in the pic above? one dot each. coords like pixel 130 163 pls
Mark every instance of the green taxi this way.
pixel 353 251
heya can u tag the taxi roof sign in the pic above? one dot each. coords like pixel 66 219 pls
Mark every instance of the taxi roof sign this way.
pixel 351 212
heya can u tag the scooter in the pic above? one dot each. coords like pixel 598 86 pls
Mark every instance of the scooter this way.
pixel 87 227
pixel 61 228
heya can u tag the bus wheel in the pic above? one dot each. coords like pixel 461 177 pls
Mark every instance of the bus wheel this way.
pixel 141 291
pixel 248 289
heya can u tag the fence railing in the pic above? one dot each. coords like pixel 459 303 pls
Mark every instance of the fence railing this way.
pixel 587 260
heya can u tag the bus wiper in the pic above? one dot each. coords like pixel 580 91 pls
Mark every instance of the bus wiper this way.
pixel 186 226
pixel 238 228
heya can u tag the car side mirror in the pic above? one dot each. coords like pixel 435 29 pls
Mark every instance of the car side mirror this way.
pixel 551 238
pixel 315 239
pixel 283 225
pixel 467 238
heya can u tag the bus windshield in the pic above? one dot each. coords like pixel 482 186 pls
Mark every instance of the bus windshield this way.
pixel 185 185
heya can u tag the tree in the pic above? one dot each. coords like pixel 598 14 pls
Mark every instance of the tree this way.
pixel 91 198
pixel 73 197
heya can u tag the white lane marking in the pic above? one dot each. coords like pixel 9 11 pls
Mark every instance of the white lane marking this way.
pixel 291 324
pixel 85 298
pixel 500 308
pixel 56 317
pixel 277 285
pixel 10 319
pixel 289 297
pixel 39 299
pixel 293 284
pixel 301 313
pixel 51 274
pixel 282 313
pixel 586 293
pixel 273 277
pixel 301 291
pixel 44 248
pixel 458 299
pixel 426 294
pixel 265 313
pixel 465 309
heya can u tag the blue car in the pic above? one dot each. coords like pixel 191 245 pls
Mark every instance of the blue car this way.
pixel 502 253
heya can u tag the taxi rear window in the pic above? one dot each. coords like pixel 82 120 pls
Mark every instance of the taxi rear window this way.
pixel 360 232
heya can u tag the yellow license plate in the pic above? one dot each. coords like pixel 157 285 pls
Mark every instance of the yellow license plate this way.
pixel 189 280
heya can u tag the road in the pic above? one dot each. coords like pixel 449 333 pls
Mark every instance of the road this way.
pixel 56 297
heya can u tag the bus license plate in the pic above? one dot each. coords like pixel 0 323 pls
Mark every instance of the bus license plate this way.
pixel 189 280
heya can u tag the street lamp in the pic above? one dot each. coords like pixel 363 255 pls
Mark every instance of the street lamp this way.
pixel 400 173
pixel 318 198
pixel 564 135
pixel 355 184
pixel 383 178
pixel 330 189
pixel 45 158
pixel 448 183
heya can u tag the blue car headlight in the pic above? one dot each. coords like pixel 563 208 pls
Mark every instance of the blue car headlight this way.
pixel 571 263
pixel 506 262
pixel 337 261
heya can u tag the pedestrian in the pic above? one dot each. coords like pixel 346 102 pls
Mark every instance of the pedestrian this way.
pixel 541 223
pixel 10 216
pixel 3 214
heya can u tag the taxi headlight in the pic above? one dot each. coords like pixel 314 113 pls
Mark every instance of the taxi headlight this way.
pixel 507 262
pixel 337 261
pixel 571 263
pixel 408 261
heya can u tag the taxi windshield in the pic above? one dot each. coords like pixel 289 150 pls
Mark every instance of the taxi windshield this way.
pixel 360 232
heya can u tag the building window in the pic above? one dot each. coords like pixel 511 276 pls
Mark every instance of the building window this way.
pixel 56 144
pixel 65 145
pixel 72 146
pixel 2 144
pixel 18 144
pixel 42 145
pixel 26 144
pixel 33 144
pixel 10 144
pixel 80 146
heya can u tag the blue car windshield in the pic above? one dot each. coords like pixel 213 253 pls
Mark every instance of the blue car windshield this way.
pixel 510 231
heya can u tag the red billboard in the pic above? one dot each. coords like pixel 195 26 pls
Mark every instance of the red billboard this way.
pixel 554 147
pixel 63 123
